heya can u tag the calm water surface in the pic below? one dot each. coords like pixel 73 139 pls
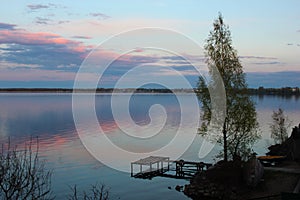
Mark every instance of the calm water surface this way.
pixel 49 116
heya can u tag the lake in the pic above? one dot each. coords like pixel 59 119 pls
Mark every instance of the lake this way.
pixel 50 117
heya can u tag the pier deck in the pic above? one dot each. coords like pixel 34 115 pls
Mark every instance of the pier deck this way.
pixel 149 162
pixel 158 166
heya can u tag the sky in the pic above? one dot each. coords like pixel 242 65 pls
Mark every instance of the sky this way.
pixel 45 43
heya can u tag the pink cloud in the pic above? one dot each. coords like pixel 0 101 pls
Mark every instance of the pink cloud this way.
pixel 138 50
pixel 39 38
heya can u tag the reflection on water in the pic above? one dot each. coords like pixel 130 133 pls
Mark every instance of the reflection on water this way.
pixel 139 105
pixel 265 105
pixel 49 116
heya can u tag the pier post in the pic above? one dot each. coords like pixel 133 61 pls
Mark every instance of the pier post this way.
pixel 131 169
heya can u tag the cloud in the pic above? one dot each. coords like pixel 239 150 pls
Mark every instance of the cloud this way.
pixel 12 48
pixel 184 59
pixel 7 26
pixel 39 75
pixel 48 21
pixel 43 55
pixel 99 15
pixel 34 7
pixel 37 7
pixel 124 63
pixel 273 79
pixel 289 44
pixel 154 67
pixel 264 64
pixel 63 21
pixel 258 57
pixel 267 63
pixel 168 72
pixel 11 65
pixel 41 20
pixel 81 37
pixel 35 38
pixel 48 51
pixel 103 29
pixel 176 58
pixel 298 31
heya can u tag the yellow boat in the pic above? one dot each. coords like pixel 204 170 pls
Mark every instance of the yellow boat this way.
pixel 271 158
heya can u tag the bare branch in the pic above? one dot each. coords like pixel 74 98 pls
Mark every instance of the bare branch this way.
pixel 23 175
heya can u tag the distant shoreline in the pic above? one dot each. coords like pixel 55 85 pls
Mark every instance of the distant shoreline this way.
pixel 286 91
pixel 98 90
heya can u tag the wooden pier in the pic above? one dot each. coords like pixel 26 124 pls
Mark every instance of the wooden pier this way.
pixel 149 162
pixel 158 166
pixel 188 168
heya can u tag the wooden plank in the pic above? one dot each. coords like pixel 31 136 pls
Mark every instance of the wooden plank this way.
pixel 151 159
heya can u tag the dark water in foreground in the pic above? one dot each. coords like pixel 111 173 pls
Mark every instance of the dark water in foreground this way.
pixel 49 116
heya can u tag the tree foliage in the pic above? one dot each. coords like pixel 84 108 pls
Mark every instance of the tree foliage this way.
pixel 240 128
pixel 279 126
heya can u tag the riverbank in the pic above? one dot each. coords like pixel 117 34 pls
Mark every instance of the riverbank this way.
pixel 273 184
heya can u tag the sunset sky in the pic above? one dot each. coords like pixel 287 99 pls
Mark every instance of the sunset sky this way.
pixel 43 43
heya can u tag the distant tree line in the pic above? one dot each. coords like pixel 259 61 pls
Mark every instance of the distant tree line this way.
pixel 285 91
pixel 98 90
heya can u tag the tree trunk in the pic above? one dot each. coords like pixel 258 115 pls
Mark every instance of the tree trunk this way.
pixel 225 142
